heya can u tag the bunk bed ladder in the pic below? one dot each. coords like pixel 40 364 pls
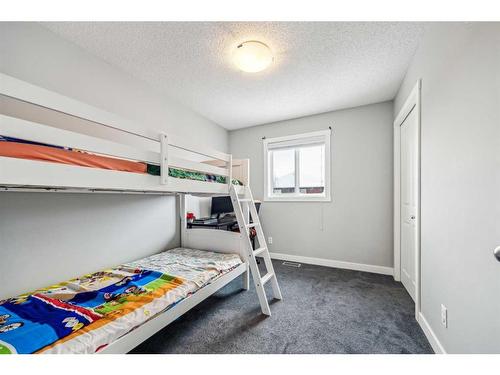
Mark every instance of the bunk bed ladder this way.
pixel 242 207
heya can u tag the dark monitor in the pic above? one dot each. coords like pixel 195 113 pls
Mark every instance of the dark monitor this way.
pixel 221 205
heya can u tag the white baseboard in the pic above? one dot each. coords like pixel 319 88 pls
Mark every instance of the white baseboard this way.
pixel 431 336
pixel 334 263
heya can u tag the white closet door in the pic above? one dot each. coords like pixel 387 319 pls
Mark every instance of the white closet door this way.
pixel 409 191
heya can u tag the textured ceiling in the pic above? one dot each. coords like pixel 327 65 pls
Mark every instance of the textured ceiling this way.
pixel 319 66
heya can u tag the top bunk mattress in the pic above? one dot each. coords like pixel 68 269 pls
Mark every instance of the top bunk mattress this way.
pixel 86 314
pixel 21 149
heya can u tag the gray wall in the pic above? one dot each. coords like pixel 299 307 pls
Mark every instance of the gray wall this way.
pixel 34 54
pixel 51 237
pixel 45 238
pixel 357 225
pixel 460 69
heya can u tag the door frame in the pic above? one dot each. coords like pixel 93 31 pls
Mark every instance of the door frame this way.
pixel 412 102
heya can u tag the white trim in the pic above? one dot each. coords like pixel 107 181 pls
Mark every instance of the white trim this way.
pixel 285 138
pixel 132 339
pixel 334 263
pixel 413 102
pixel 326 135
pixel 431 336
pixel 397 203
pixel 299 198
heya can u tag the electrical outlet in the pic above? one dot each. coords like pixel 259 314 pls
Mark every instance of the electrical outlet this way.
pixel 444 316
pixel 269 240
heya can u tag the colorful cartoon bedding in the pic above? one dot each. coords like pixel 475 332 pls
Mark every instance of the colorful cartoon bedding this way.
pixel 86 314
pixel 18 148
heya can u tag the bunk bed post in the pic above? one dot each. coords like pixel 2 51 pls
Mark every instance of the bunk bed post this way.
pixel 246 215
pixel 164 159
pixel 246 276
pixel 182 213
pixel 230 176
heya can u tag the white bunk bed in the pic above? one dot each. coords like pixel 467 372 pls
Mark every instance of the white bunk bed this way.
pixel 17 174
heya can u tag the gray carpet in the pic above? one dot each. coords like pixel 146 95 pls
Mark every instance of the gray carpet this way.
pixel 324 310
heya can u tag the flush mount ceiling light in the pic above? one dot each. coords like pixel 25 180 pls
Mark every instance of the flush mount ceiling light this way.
pixel 252 56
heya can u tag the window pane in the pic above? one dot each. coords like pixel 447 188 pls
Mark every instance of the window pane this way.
pixel 283 173
pixel 312 169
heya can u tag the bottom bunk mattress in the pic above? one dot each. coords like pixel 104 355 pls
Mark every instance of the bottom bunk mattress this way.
pixel 86 314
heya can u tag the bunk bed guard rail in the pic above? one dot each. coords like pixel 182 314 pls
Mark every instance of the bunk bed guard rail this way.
pixel 207 160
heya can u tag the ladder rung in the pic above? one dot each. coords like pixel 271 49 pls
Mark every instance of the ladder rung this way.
pixel 258 251
pixel 251 225
pixel 266 278
pixel 245 200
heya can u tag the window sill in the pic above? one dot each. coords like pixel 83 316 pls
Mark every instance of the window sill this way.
pixel 297 199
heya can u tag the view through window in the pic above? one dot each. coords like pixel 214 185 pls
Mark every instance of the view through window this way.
pixel 297 167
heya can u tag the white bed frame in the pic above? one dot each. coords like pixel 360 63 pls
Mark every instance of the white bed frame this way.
pixel 28 175
pixel 135 337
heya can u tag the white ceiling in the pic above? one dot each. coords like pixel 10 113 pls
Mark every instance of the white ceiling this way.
pixel 319 66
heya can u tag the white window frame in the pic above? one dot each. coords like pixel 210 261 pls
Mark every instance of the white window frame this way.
pixel 325 197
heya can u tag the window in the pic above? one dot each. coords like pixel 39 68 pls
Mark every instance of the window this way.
pixel 297 167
